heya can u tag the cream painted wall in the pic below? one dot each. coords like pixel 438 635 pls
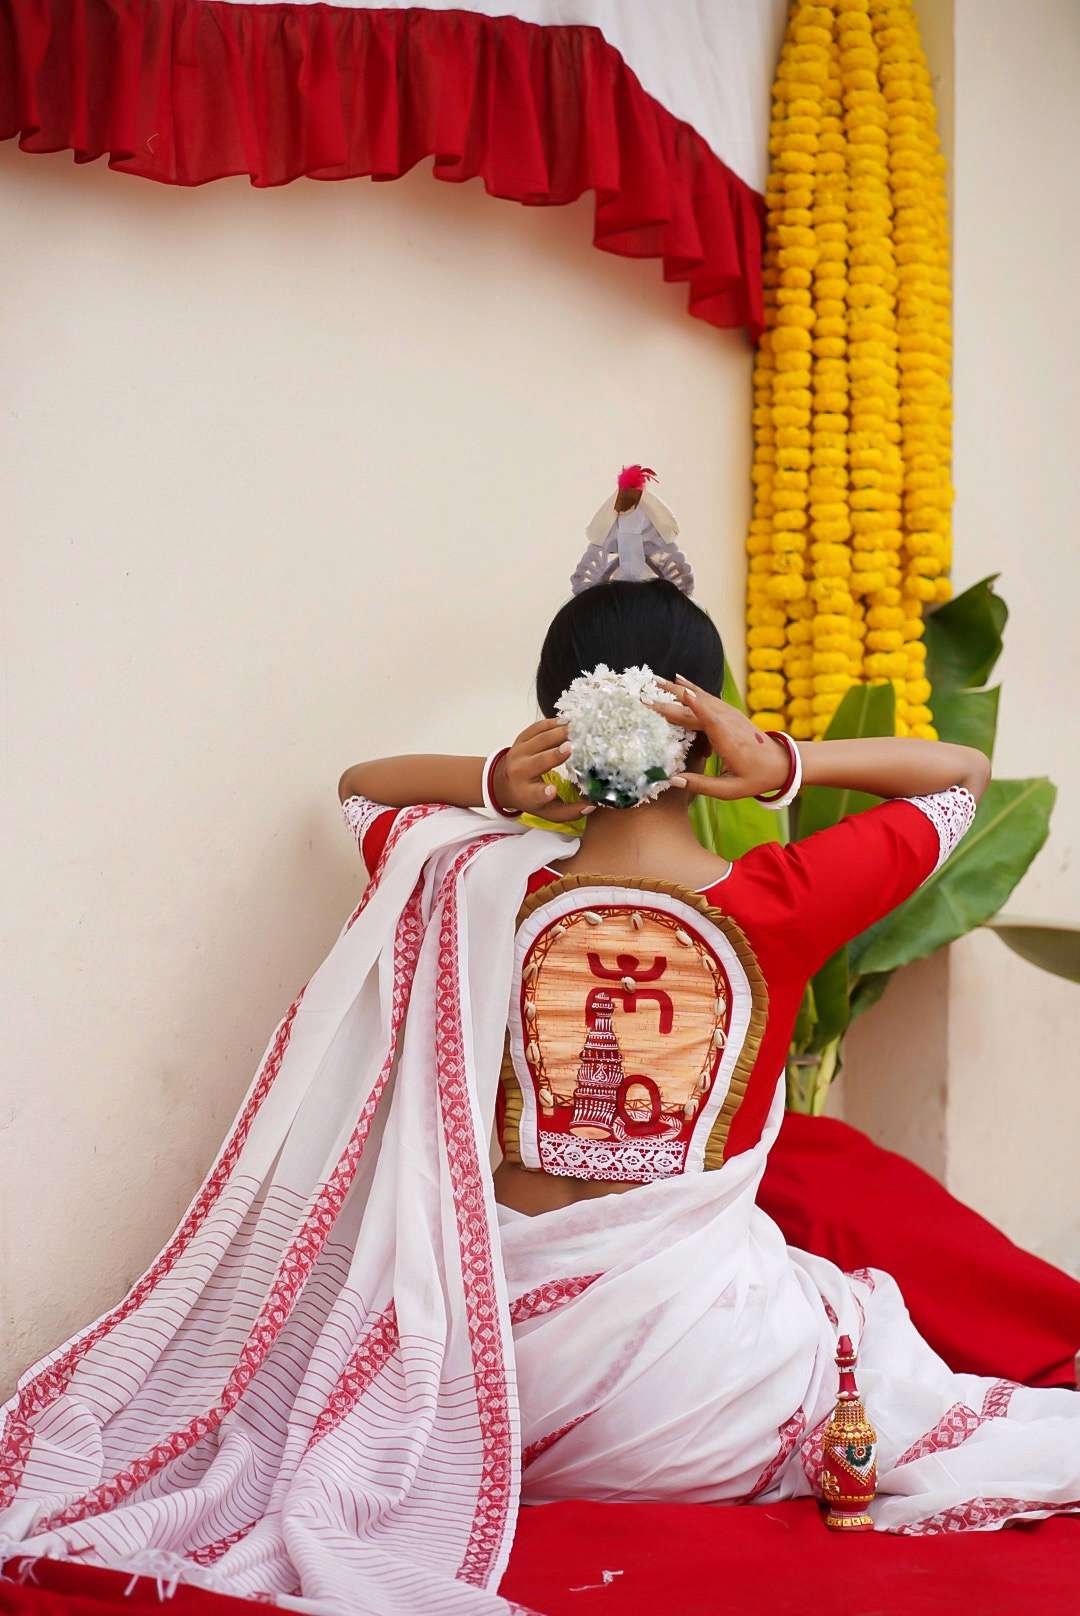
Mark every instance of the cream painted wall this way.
pixel 1014 1074
pixel 293 478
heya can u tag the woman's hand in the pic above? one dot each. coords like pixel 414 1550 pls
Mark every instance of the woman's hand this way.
pixel 751 761
pixel 519 782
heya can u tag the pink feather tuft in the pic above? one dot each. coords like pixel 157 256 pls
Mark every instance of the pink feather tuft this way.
pixel 636 477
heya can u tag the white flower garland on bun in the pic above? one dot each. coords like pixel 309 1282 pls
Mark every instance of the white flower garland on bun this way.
pixel 623 754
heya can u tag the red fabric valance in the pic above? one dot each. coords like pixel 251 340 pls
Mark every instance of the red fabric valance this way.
pixel 186 91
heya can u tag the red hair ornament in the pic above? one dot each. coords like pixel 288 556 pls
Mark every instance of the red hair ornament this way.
pixel 636 477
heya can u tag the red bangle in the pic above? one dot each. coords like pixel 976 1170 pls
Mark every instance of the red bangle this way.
pixel 767 797
pixel 488 787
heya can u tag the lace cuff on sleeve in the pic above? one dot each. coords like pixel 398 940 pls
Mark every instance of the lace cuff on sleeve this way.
pixel 360 813
pixel 950 812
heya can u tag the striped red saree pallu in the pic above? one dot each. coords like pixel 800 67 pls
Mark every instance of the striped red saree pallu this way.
pixel 310 1394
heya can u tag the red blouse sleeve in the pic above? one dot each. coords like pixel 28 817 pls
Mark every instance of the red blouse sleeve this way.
pixel 841 880
pixel 370 823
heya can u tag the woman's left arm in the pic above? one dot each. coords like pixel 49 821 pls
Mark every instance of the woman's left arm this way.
pixel 754 762
pixel 888 767
pixel 838 881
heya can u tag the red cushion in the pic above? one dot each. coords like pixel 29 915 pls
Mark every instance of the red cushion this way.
pixel 986 1306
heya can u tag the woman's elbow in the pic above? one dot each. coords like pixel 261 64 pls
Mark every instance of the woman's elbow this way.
pixel 978 771
pixel 347 783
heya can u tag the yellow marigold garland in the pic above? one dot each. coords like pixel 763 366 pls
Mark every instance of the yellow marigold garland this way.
pixel 849 538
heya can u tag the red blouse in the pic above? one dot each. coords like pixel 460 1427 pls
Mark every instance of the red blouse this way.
pixel 792 907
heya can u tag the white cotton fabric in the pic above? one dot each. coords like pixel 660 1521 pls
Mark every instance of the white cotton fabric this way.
pixel 397 1348
pixel 709 62
pixel 700 1366
pixel 313 1396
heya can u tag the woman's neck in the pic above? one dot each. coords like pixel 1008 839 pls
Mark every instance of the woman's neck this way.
pixel 656 839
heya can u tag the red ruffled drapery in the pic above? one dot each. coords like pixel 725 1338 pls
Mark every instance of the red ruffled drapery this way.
pixel 186 91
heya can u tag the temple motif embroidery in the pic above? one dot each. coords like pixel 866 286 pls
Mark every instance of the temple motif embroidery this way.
pixel 602 1093
pixel 639 1011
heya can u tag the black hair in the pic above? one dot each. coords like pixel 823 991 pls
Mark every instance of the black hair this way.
pixel 625 624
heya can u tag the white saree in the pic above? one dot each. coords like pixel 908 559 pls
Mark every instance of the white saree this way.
pixel 312 1395
pixel 668 1344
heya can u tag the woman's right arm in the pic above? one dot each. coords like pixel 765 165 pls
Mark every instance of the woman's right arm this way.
pixel 519 784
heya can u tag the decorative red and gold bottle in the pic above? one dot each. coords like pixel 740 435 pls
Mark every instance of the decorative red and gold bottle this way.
pixel 849 1453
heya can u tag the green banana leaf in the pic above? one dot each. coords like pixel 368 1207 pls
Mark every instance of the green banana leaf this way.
pixel 1011 824
pixel 805 1022
pixel 865 710
pixel 967 717
pixel 867 990
pixel 730 829
pixel 831 988
pixel 1049 944
pixel 963 643
pixel 964 638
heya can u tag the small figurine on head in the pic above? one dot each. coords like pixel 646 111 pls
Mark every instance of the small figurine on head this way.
pixel 632 536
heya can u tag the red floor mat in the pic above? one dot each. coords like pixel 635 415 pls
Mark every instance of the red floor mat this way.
pixel 779 1560
pixel 692 1560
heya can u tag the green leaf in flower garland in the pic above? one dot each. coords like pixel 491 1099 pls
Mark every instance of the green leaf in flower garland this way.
pixel 967 717
pixel 566 793
pixel 865 710
pixel 1011 824
pixel 963 639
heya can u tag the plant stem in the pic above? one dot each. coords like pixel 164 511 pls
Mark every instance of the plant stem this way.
pixel 809 1077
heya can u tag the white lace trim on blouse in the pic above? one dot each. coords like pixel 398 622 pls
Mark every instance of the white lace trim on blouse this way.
pixel 950 812
pixel 359 814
